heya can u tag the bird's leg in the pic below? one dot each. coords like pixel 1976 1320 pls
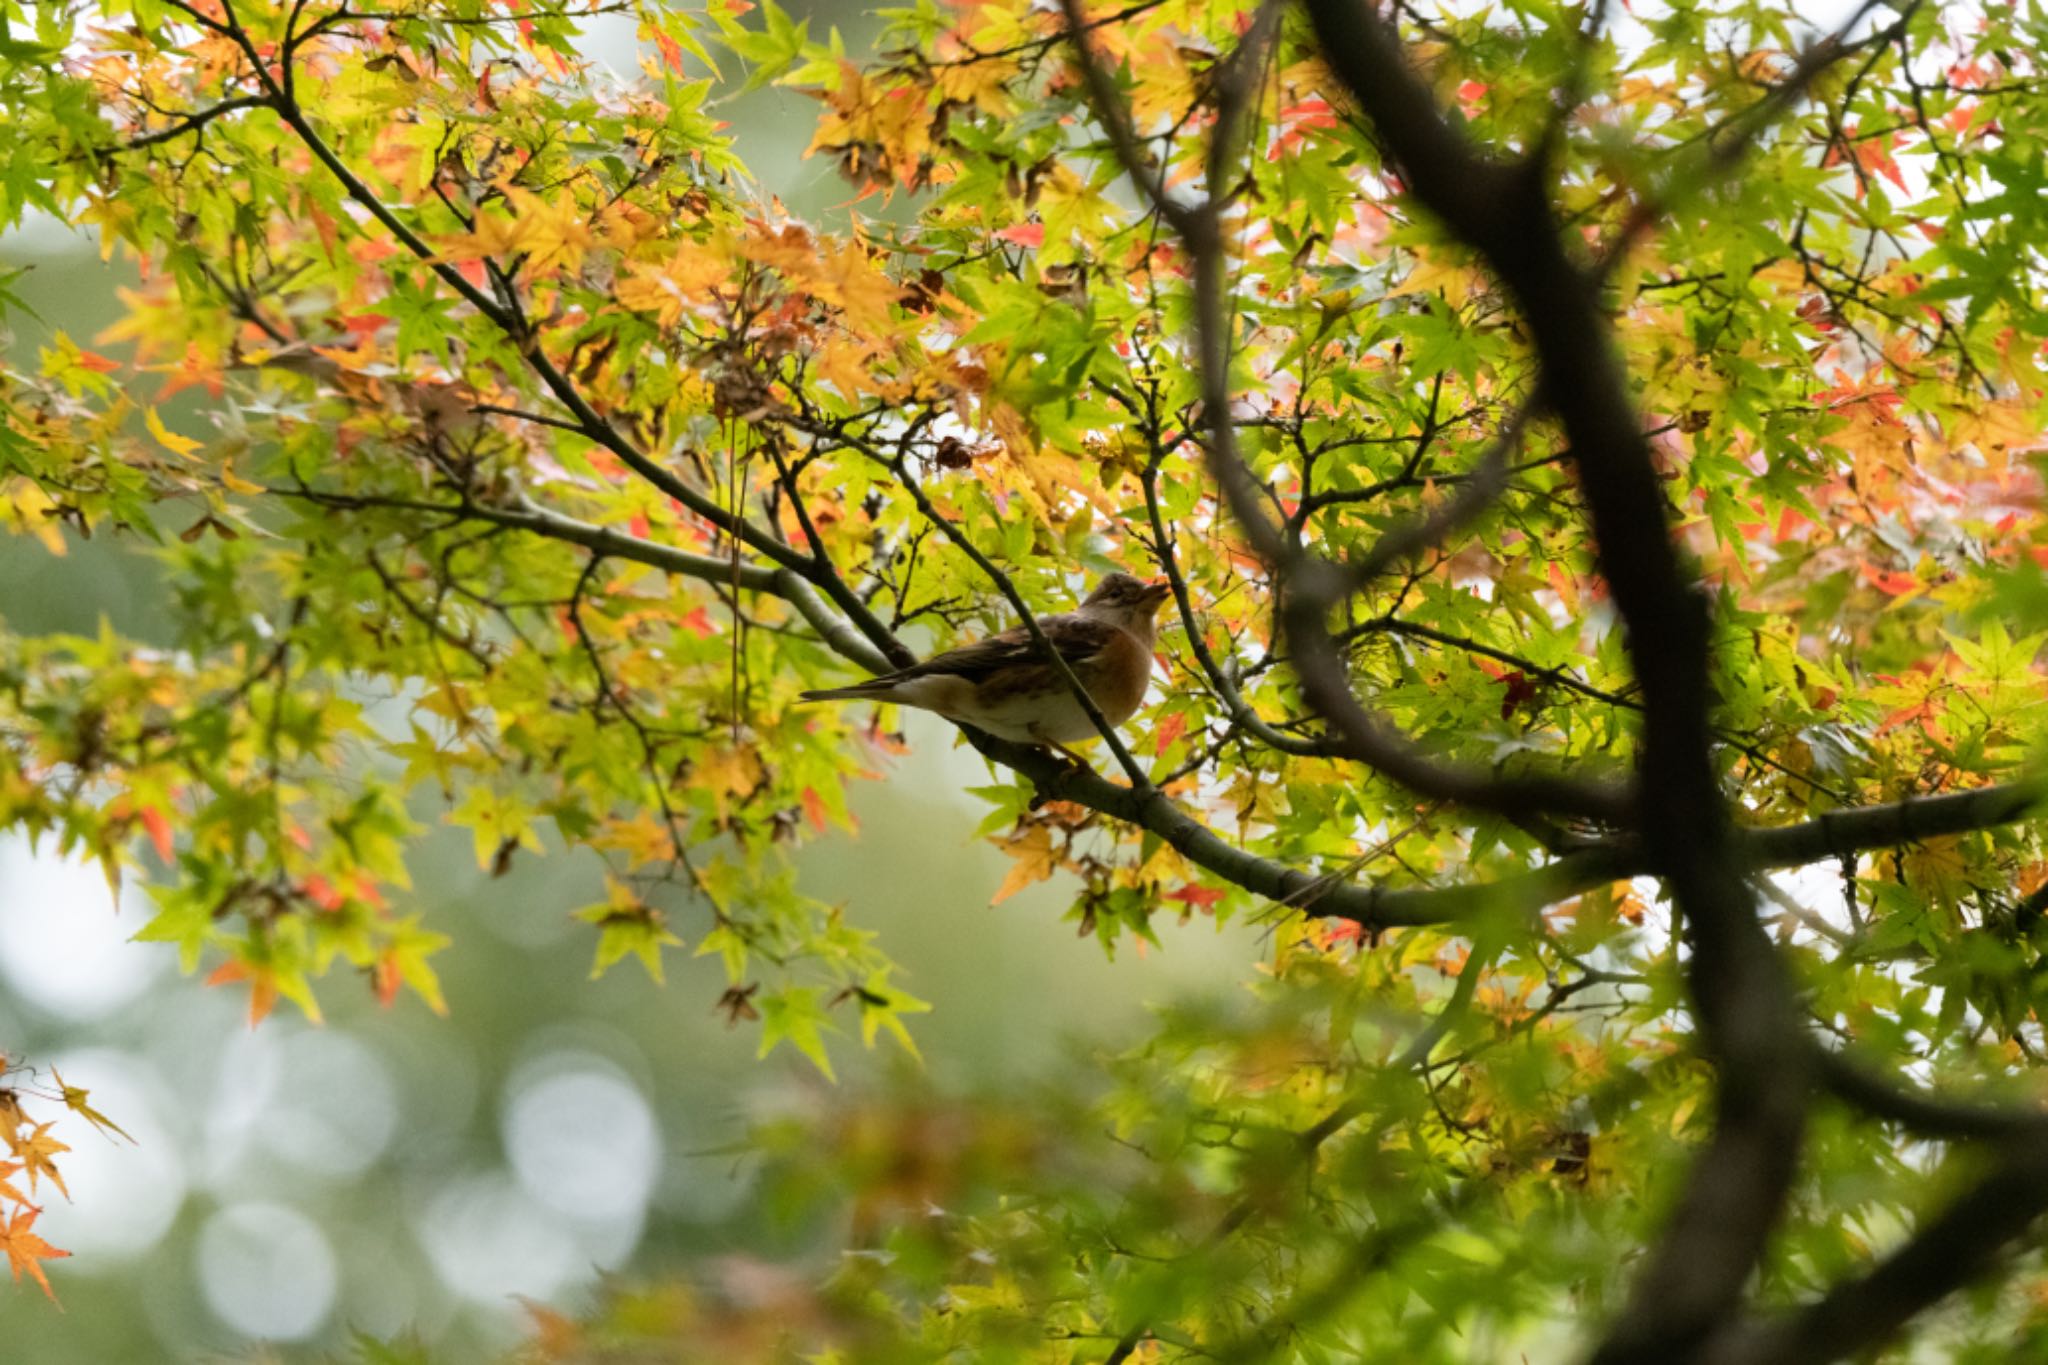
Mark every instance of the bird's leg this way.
pixel 1079 764
pixel 1072 757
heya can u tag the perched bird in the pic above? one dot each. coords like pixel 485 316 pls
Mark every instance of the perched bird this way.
pixel 1005 686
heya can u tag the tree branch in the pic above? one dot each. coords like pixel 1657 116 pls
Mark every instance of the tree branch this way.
pixel 1948 1252
pixel 1310 586
pixel 1748 1013
pixel 592 424
pixel 1927 1115
pixel 1132 768
pixel 194 122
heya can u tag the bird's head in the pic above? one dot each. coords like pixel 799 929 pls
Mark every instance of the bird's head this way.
pixel 1128 601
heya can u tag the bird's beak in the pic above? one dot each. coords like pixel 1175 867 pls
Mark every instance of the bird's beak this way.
pixel 1156 593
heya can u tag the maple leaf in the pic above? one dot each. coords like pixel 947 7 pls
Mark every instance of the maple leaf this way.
pixel 75 1099
pixel 34 1153
pixel 1201 898
pixel 1024 234
pixel 882 1006
pixel 158 826
pixel 682 282
pixel 626 924
pixel 847 278
pixel 267 983
pixel 796 1017
pixel 184 447
pixel 1035 861
pixel 26 1251
pixel 814 808
pixel 404 961
pixel 25 507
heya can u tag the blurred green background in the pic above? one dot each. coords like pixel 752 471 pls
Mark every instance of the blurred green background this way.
pixel 394 1171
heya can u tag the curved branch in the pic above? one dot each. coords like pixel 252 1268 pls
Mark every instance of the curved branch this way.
pixel 1749 1016
pixel 1311 586
pixel 1932 1116
pixel 194 122
pixel 1949 1252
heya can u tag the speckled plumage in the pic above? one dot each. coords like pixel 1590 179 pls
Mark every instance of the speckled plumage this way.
pixel 1005 686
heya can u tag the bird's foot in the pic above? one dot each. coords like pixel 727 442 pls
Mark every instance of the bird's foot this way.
pixel 1073 758
pixel 1074 762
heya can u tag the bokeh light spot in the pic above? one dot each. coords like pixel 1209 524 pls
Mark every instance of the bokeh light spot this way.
pixel 334 1110
pixel 582 1139
pixel 266 1271
pixel 489 1241
pixel 63 946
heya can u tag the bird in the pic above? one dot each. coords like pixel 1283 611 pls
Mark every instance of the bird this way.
pixel 1003 685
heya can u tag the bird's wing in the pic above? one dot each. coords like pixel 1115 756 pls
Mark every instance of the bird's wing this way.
pixel 1074 637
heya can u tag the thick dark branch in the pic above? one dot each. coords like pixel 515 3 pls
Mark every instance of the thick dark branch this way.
pixel 1749 1015
pixel 1361 735
pixel 1837 834
pixel 1846 832
pixel 1926 1115
pixel 1952 1250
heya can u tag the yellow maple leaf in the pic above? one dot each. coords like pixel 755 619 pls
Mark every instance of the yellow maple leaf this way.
pixel 985 85
pixel 181 446
pixel 1035 861
pixel 849 280
pixel 553 233
pixel 728 773
pixel 684 280
pixel 34 1153
pixel 75 1099
pixel 843 364
pixel 25 507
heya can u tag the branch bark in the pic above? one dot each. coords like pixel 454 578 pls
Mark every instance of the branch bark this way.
pixel 1950 1251
pixel 1694 1279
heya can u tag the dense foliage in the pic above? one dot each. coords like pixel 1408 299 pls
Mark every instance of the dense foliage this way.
pixel 1588 452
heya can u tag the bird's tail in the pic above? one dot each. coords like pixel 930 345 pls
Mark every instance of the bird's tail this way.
pixel 873 690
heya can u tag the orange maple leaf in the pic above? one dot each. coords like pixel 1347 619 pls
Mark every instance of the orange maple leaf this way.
pixel 35 1151
pixel 262 990
pixel 158 826
pixel 26 1251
